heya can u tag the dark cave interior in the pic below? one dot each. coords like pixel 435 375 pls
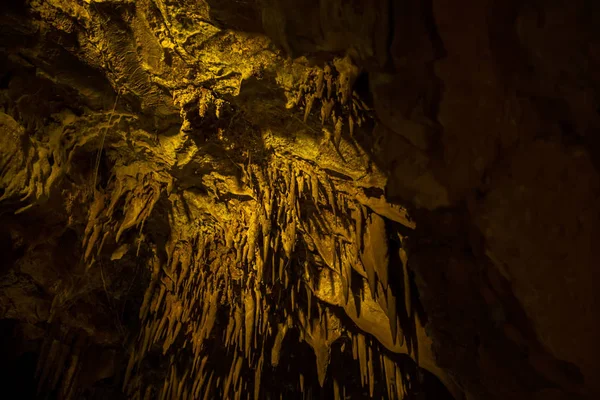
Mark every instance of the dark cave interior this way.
pixel 268 199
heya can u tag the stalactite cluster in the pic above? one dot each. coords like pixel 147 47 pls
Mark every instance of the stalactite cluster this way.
pixel 250 271
pixel 206 199
pixel 279 245
pixel 332 87
pixel 60 365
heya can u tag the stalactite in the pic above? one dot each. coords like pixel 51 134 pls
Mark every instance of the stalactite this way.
pixel 240 243
pixel 337 132
pixel 232 368
pixel 291 199
pixel 328 76
pixel 172 390
pixel 208 387
pixel 160 298
pixel 150 290
pixel 346 277
pixel 399 383
pixel 371 371
pixel 97 230
pixel 238 315
pixel 182 383
pixel 211 315
pixel 249 320
pixel 163 391
pixel 161 327
pixel 362 358
pixel 257 376
pixel 379 246
pixel 293 299
pixel 331 199
pixel 259 310
pixel 185 264
pixel 407 290
pixel 309 104
pixel 326 110
pixel 237 370
pixel 392 314
pixel 314 185
pixel 229 331
pixel 148 393
pixel 68 385
pixel 320 84
pixel 300 183
pixel 47 363
pixel 129 369
pixel 308 301
pixel 358 219
pixel 200 378
pixel 388 369
pixel 266 251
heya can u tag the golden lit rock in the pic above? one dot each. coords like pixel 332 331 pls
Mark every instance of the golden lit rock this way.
pixel 307 199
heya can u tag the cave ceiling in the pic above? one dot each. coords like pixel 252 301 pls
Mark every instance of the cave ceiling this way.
pixel 305 199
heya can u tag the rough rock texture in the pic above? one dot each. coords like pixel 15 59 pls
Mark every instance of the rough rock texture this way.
pixel 316 198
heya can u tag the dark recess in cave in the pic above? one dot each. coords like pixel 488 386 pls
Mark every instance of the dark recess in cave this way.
pixel 299 199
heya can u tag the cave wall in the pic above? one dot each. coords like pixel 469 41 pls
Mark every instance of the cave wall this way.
pixel 418 179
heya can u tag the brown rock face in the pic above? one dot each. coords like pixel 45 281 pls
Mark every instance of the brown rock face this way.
pixel 304 199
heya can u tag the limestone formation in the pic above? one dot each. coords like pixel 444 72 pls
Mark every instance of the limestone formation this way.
pixel 256 199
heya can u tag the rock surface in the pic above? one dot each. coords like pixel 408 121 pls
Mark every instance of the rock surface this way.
pixel 193 193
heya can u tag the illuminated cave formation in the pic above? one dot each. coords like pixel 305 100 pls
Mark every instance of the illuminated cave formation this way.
pixel 267 199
